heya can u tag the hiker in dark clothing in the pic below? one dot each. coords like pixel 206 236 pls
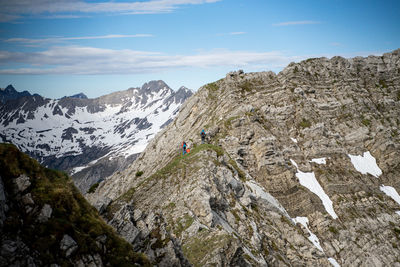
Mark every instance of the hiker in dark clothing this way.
pixel 203 136
pixel 184 148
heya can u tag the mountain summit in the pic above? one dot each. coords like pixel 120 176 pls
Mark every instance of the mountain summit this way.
pixel 9 93
pixel 299 168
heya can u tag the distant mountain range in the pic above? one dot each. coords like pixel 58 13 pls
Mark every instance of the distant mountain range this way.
pixel 89 138
pixel 10 93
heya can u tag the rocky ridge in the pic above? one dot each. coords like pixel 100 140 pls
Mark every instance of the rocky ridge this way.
pixel 281 148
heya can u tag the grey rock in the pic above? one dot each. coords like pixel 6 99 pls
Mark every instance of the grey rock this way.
pixel 22 182
pixel 8 248
pixel 27 199
pixel 45 213
pixel 68 245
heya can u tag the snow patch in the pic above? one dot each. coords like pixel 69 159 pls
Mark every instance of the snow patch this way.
pixel 307 179
pixel 366 164
pixel 313 238
pixel 333 262
pixel 319 160
pixel 398 212
pixel 391 192
pixel 294 140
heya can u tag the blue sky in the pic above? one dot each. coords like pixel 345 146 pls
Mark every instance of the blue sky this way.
pixel 62 47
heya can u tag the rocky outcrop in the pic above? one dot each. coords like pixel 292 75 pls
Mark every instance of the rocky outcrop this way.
pixel 276 185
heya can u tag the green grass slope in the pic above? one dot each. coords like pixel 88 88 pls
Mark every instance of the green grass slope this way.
pixel 71 215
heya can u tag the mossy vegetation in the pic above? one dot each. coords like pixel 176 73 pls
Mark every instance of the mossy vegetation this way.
pixel 228 122
pixel 304 123
pixel 246 86
pixel 199 247
pixel 366 122
pixel 139 173
pixel 93 188
pixel 71 214
pixel 212 87
pixel 175 166
pixel 333 230
pixel 182 224
pixel 241 174
pixel 382 83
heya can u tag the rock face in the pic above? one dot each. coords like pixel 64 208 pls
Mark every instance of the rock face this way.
pixel 301 168
pixel 44 221
pixel 89 138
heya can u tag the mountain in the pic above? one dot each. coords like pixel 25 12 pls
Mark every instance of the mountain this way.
pixel 45 221
pixel 80 95
pixel 90 138
pixel 10 93
pixel 300 168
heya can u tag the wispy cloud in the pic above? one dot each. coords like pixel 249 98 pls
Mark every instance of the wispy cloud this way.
pixel 301 22
pixel 12 9
pixel 237 33
pixel 89 60
pixel 60 39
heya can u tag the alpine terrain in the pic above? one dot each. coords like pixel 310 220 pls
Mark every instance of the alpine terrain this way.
pixel 45 221
pixel 300 168
pixel 89 138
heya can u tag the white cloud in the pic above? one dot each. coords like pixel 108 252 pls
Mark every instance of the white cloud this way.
pixel 237 33
pixel 89 60
pixel 60 39
pixel 302 22
pixel 10 9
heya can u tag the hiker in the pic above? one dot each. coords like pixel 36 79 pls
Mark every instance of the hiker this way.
pixel 184 148
pixel 203 136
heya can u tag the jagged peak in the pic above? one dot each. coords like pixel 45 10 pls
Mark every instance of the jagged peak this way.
pixel 155 86
pixel 9 88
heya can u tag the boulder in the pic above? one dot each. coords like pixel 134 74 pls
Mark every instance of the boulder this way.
pixel 68 245
pixel 22 182
pixel 45 213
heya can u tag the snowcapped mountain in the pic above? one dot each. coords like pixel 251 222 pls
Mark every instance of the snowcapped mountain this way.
pixel 74 133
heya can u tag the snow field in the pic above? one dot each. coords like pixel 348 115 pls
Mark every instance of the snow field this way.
pixel 308 180
pixel 319 160
pixel 47 131
pixel 391 192
pixel 313 238
pixel 366 164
